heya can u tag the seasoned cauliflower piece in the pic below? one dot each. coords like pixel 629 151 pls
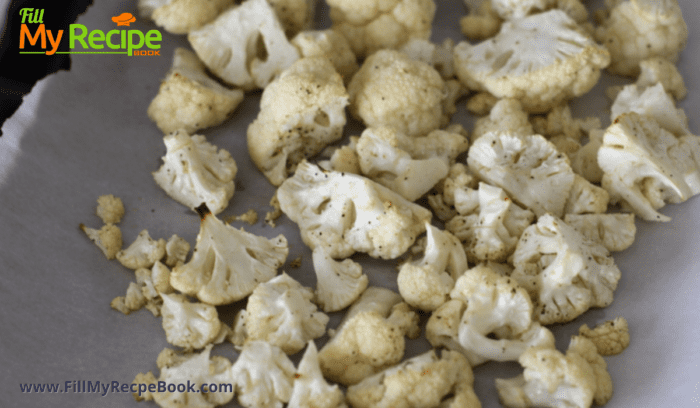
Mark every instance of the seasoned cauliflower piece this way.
pixel 422 381
pixel 660 70
pixel 584 161
pixel 610 338
pixel 560 122
pixel 426 283
pixel 372 25
pixel 652 102
pixel 143 252
pixel 442 199
pixel 440 57
pixel 110 209
pixel 541 60
pixel 586 198
pixel 586 349
pixel 370 337
pixel 131 302
pixel 227 263
pixel 347 213
pixel 263 375
pixel 408 166
pixel 176 250
pixel 146 291
pixel 392 89
pixel 329 44
pixel 301 112
pixel 245 45
pixel 515 9
pixel 294 15
pixel 482 22
pixel 280 312
pixel 181 16
pixel 189 325
pixel 188 99
pixel 195 172
pixel 614 231
pixel 310 388
pixel 564 273
pixel 190 368
pixel 506 115
pixel 636 30
pixel 644 166
pixel 338 284
pixel 108 239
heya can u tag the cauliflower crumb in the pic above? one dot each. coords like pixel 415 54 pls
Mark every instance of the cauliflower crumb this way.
pixel 610 338
pixel 108 239
pixel 295 263
pixel 110 209
pixel 132 301
pixel 272 216
pixel 143 252
pixel 250 216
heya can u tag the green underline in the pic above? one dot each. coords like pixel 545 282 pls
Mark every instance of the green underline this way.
pixel 75 52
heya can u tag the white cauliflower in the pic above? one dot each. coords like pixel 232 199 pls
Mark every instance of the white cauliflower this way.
pixel 654 103
pixel 372 25
pixel 515 9
pixel 560 122
pixel 482 22
pixel 263 375
pixel 422 381
pixel 189 325
pixel 564 273
pixel 181 16
pixel 507 115
pixel 426 282
pixel 409 166
pixel 348 213
pixel 586 198
pixel 329 44
pixel 110 209
pixel 132 301
pixel 541 60
pixel 636 30
pixel 614 231
pixel 146 292
pixel 301 112
pixel 194 172
pixel 645 166
pixel 440 57
pixel 228 263
pixel 442 199
pixel 610 338
pixel 294 15
pixel 188 99
pixel 176 250
pixel 280 312
pixel 338 284
pixel 108 239
pixel 660 70
pixel 143 252
pixel 310 388
pixel 587 349
pixel 245 45
pixel 370 337
pixel 584 161
pixel 392 89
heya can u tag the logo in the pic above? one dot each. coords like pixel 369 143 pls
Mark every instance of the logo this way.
pixel 116 41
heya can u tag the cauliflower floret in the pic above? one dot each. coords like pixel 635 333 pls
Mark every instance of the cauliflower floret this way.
pixel 559 122
pixel 227 263
pixel 245 45
pixel 343 158
pixel 176 250
pixel 610 338
pixel 189 325
pixel 482 22
pixel 280 312
pixel 529 168
pixel 426 283
pixel 294 15
pixel 586 349
pixel 408 166
pixel 586 198
pixel 181 16
pixel 263 375
pixel 190 368
pixel 541 60
pixel 194 172
pixel 654 103
pixel 108 239
pixel 370 337
pixel 110 209
pixel 506 115
pixel 310 388
pixel 489 223
pixel 392 89
pixel 131 302
pixel 564 273
pixel 639 29
pixel 372 25
pixel 188 99
pixel 614 231
pixel 348 213
pixel 422 381
pixel 440 57
pixel 644 166
pixel 146 291
pixel 660 70
pixel 143 252
pixel 442 200
pixel 329 44
pixel 338 284
pixel 301 112
pixel 584 161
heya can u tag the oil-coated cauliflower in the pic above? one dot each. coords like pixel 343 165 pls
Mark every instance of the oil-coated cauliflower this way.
pixel 372 25
pixel 143 252
pixel 310 388
pixel 564 273
pixel 645 166
pixel 264 376
pixel 439 56
pixel 301 112
pixel 110 209
pixel 639 29
pixel 660 70
pixel 442 199
pixel 188 99
pixel 329 44
pixel 482 22
pixel 176 250
pixel 146 292
pixel 426 282
pixel 181 16
pixel 507 115
pixel 586 198
pixel 614 231
pixel 610 338
pixel 584 161
pixel 338 284
pixel 654 103
pixel 195 172
pixel 189 325
pixel 245 45
pixel 560 122
pixel 392 89
pixel 541 60
pixel 108 239
pixel 294 15
pixel 348 213
pixel 228 263
pixel 370 337
pixel 586 349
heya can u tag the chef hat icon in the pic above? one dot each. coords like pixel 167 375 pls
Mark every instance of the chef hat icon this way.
pixel 124 19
